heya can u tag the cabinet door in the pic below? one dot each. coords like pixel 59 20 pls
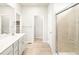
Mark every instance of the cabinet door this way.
pixel 21 45
pixel 8 51
pixel 16 48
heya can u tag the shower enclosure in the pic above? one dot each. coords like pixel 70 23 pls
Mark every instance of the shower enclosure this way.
pixel 68 30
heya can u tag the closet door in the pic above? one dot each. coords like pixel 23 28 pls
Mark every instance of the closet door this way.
pixel 66 31
pixel 71 31
pixel 76 10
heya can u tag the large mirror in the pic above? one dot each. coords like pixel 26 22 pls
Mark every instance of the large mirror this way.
pixel 5 24
pixel 7 19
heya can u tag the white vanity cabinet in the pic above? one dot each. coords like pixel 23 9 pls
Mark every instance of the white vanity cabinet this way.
pixel 16 48
pixel 13 45
pixel 8 51
pixel 21 46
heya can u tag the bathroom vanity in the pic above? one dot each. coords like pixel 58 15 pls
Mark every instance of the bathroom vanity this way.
pixel 11 44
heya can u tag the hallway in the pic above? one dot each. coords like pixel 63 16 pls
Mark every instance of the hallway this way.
pixel 37 48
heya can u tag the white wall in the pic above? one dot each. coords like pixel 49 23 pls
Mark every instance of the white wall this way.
pixel 18 8
pixel 51 27
pixel 15 6
pixel 28 13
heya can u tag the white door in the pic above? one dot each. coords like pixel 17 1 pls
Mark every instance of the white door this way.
pixel 38 27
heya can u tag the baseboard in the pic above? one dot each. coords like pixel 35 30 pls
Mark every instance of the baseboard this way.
pixel 68 53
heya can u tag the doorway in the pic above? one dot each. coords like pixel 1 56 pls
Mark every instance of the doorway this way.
pixel 38 28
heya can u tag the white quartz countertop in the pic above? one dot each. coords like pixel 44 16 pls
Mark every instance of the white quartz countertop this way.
pixel 7 40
